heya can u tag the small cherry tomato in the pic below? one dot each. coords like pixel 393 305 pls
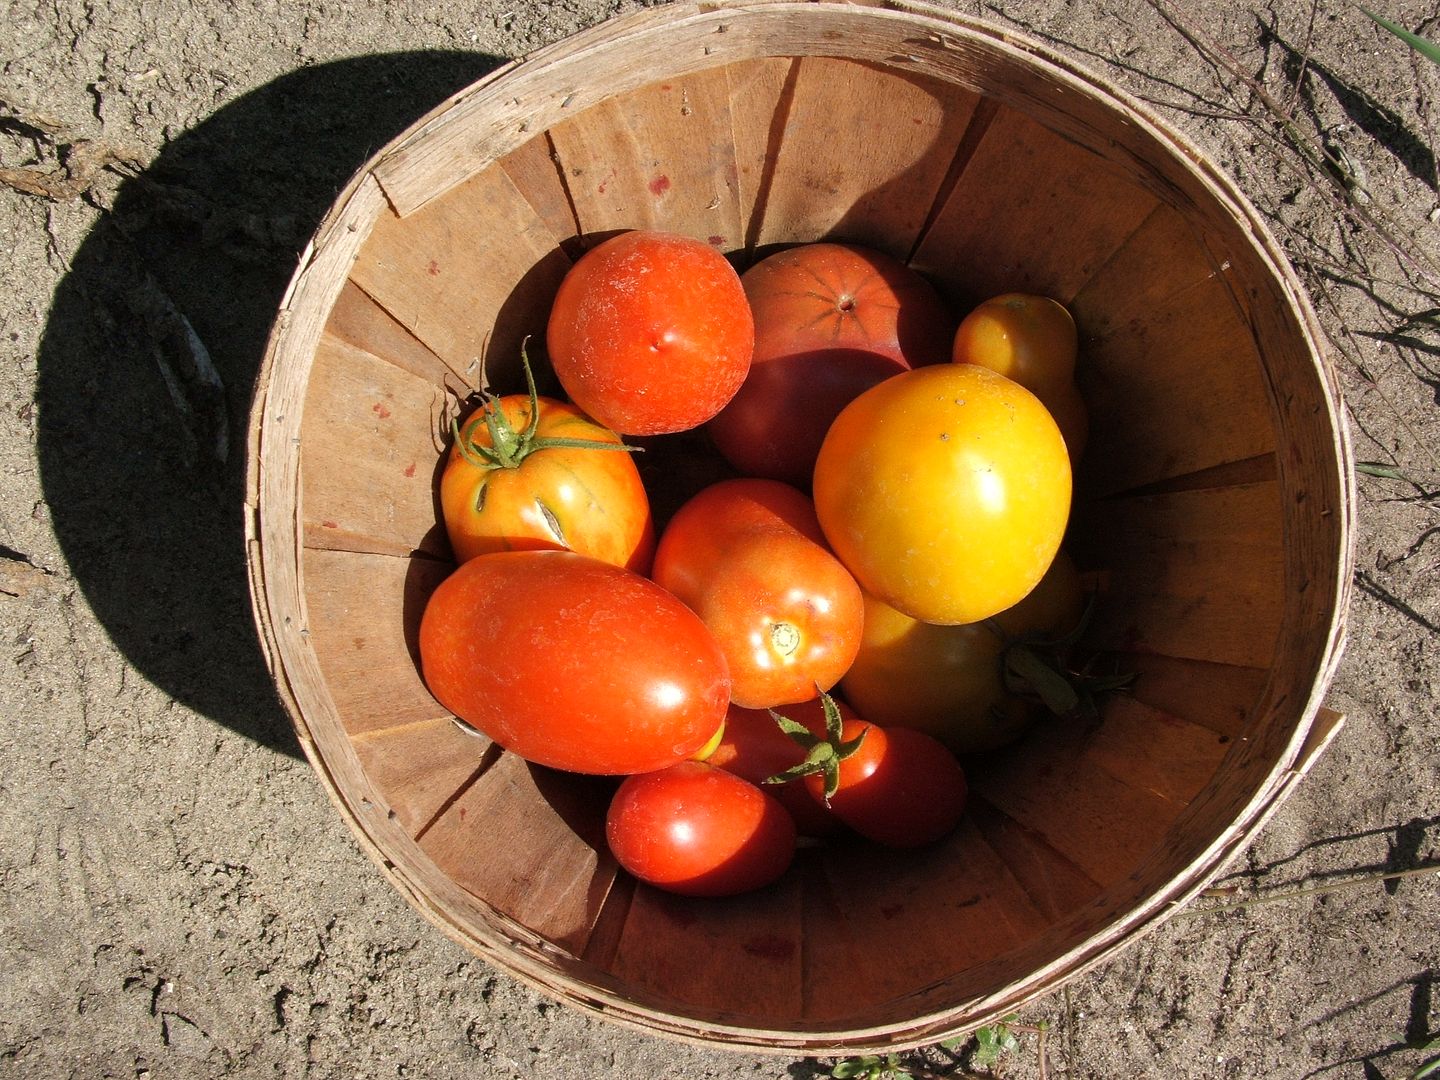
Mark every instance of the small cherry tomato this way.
pixel 650 333
pixel 896 786
pixel 748 557
pixel 698 830
pixel 573 663
pixel 831 320
pixel 530 472
pixel 753 747
pixel 946 491
pixel 1032 340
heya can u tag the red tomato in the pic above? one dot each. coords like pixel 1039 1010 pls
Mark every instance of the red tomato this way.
pixel 650 333
pixel 831 321
pixel 698 830
pixel 747 556
pixel 572 662
pixel 753 747
pixel 897 786
pixel 530 472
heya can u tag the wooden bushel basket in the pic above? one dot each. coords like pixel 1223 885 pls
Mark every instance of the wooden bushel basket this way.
pixel 1213 506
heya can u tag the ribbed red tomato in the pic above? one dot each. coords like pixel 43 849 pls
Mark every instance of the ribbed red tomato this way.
pixel 831 320
pixel 572 662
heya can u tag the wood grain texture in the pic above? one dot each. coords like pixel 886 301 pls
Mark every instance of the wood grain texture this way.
pixel 421 766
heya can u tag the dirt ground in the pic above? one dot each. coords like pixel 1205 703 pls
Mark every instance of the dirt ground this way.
pixel 181 899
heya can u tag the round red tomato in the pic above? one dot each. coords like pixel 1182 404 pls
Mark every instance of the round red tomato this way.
pixel 530 472
pixel 650 333
pixel 748 557
pixel 946 491
pixel 897 786
pixel 831 320
pixel 572 662
pixel 698 830
pixel 753 747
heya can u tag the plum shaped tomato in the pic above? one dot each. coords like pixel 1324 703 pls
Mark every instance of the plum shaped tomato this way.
pixel 946 491
pixel 698 830
pixel 650 333
pixel 747 556
pixel 573 663
pixel 894 785
pixel 530 472
pixel 831 320
pixel 1032 340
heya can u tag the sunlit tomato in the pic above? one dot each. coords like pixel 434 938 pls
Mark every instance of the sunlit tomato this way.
pixel 946 491
pixel 897 786
pixel 831 320
pixel 698 830
pixel 523 475
pixel 752 746
pixel 943 680
pixel 1032 340
pixel 572 662
pixel 650 333
pixel 748 557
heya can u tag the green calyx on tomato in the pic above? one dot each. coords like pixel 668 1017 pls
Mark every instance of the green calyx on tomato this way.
pixel 822 755
pixel 509 448
pixel 1037 667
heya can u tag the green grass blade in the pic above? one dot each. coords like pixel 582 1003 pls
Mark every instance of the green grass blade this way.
pixel 1424 46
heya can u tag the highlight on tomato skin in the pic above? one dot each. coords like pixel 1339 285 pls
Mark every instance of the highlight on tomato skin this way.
pixel 698 830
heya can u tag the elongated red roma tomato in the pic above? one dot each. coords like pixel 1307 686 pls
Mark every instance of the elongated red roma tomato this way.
pixel 650 333
pixel 572 662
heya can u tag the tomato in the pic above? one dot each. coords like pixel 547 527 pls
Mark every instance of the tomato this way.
pixel 1052 609
pixel 943 680
pixel 650 333
pixel 946 491
pixel 530 472
pixel 753 747
pixel 897 786
pixel 572 662
pixel 747 556
pixel 698 830
pixel 831 320
pixel 1032 340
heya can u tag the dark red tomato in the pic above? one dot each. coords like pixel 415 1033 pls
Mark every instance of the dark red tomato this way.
pixel 897 786
pixel 650 333
pixel 746 556
pixel 572 662
pixel 753 747
pixel 831 321
pixel 698 830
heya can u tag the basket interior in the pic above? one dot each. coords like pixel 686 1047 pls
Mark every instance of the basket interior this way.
pixel 987 177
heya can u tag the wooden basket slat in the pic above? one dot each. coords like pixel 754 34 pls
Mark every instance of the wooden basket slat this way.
pixel 944 909
pixel 744 951
pixel 1055 885
pixel 421 766
pixel 372 449
pixel 1221 697
pixel 526 840
pixel 470 274
pixel 1108 827
pixel 365 642
pixel 757 88
pixel 1153 750
pixel 359 321
pixel 534 169
pixel 831 178
pixel 661 157
pixel 1030 212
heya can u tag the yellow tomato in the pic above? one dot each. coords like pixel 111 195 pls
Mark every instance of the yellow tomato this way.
pixel 945 491
pixel 942 680
pixel 1032 340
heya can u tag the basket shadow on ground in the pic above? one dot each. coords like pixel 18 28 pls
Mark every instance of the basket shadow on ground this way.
pixel 141 450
